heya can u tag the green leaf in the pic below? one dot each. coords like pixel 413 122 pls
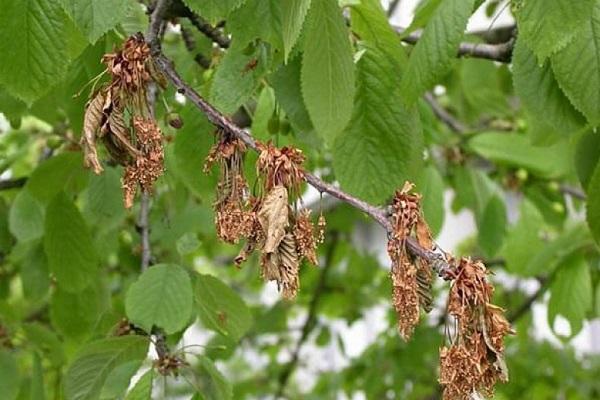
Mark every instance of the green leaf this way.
pixel 103 199
pixel 94 18
pixel 63 171
pixel 9 376
pixel 492 226
pixel 192 142
pixel 68 245
pixel 34 272
pixel 265 110
pixel 235 81
pixel 268 27
pixel 432 56
pixel 524 240
pixel 92 365
pixel 571 293
pixel 514 149
pixel 577 67
pixel 382 145
pixel 37 379
pixel 568 242
pixel 74 314
pixel 162 296
pixel 35 34
pixel 118 380
pixel 482 87
pixel 213 10
pixel 45 341
pixel 431 187
pixel 143 388
pixel 287 85
pixel 26 217
pixel 536 86
pixel 549 25
pixel 293 14
pixel 213 384
pixel 593 204
pixel 423 13
pixel 327 69
pixel 587 156
pixel 220 308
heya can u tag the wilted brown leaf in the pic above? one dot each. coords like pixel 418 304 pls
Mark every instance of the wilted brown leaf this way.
pixel 273 217
pixel 92 121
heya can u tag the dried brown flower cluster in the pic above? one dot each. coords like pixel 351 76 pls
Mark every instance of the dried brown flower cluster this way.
pixel 234 218
pixel 271 222
pixel 474 361
pixel 169 364
pixel 119 114
pixel 411 279
pixel 280 167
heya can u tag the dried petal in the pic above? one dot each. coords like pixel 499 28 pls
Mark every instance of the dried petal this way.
pixel 273 217
pixel 92 121
pixel 282 266
pixel 305 237
pixel 405 297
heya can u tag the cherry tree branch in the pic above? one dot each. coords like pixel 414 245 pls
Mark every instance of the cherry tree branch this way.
pixel 225 124
pixel 443 115
pixel 496 52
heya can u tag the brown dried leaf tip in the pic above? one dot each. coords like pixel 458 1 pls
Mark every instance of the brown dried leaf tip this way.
pixel 119 114
pixel 234 218
pixel 474 361
pixel 411 279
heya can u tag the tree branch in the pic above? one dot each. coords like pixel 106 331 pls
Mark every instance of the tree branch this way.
pixel 12 183
pixel 443 115
pixel 573 192
pixel 496 52
pixel 208 30
pixel 311 317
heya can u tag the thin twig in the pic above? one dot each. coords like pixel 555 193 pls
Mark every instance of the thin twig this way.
pixel 496 52
pixel 443 115
pixel 392 7
pixel 208 30
pixel 12 183
pixel 153 38
pixel 526 305
pixel 311 317
pixel 573 192
pixel 144 230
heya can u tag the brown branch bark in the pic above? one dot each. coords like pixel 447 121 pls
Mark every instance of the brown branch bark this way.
pixel 443 115
pixel 12 183
pixel 496 52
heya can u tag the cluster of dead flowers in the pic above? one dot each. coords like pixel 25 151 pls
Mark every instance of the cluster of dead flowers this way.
pixel 119 114
pixel 474 360
pixel 270 222
pixel 411 278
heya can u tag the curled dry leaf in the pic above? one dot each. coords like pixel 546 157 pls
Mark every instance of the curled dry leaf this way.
pixel 273 217
pixel 92 121
pixel 282 266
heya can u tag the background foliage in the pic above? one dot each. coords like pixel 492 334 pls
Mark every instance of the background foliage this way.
pixel 513 139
